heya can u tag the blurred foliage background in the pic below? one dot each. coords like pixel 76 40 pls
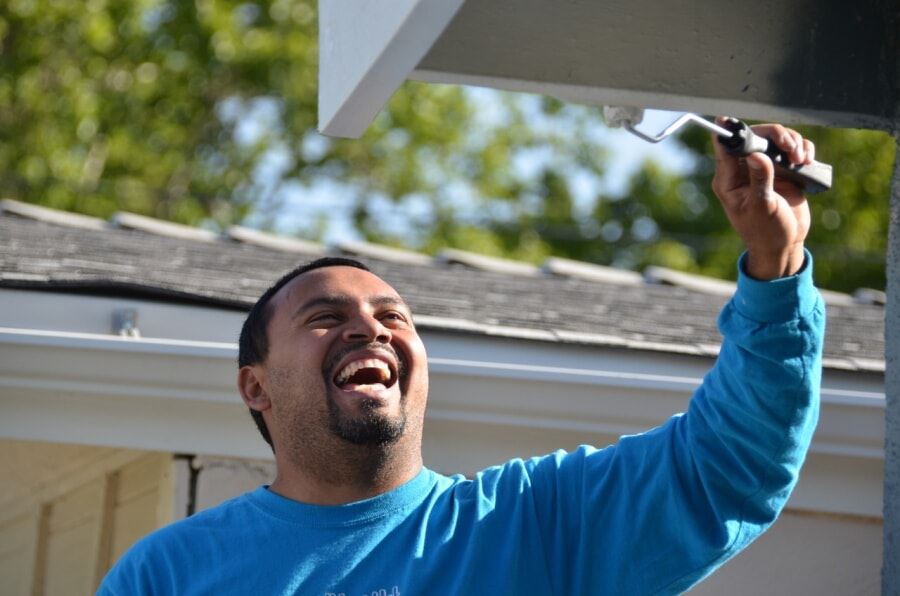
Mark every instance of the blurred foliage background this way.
pixel 204 113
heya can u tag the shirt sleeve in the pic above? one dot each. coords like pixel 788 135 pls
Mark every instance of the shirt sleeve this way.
pixel 145 568
pixel 659 511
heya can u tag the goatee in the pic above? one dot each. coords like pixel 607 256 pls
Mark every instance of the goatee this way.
pixel 371 427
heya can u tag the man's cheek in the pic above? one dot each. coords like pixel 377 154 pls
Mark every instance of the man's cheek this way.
pixel 418 379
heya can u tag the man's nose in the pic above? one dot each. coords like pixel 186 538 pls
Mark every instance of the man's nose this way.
pixel 368 328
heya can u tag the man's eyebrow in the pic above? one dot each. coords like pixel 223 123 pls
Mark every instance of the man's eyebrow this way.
pixel 322 301
pixel 388 300
pixel 343 301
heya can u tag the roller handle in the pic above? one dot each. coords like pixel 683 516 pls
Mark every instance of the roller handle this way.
pixel 812 178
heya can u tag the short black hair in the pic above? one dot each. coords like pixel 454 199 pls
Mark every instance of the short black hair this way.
pixel 253 346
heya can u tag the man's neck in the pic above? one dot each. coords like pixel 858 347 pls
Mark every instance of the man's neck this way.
pixel 350 473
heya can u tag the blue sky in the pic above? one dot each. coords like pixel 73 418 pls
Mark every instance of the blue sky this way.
pixel 330 201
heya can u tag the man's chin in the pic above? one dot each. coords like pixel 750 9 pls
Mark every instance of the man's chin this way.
pixel 373 431
pixel 368 424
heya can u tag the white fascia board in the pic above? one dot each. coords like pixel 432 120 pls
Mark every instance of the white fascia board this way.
pixel 870 397
pixel 154 394
pixel 498 382
pixel 116 344
pixel 62 313
pixel 366 51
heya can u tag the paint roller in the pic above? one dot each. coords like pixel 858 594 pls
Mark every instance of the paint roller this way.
pixel 738 140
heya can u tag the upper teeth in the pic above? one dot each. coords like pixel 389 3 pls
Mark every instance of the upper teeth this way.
pixel 356 365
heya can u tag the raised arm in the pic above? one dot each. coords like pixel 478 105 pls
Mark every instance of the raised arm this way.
pixel 659 511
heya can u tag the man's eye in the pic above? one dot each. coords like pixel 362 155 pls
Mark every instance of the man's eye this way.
pixel 393 316
pixel 326 316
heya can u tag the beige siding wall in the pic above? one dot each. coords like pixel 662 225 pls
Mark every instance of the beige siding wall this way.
pixel 142 502
pixel 75 511
pixel 18 543
pixel 69 541
pixel 805 553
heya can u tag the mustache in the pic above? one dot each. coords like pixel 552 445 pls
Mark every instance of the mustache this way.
pixel 376 347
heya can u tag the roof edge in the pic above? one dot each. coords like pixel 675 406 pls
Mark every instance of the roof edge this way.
pixel 142 223
pixel 385 253
pixel 486 263
pixel 48 215
pixel 590 271
pixel 253 237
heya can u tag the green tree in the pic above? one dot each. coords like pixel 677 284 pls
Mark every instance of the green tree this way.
pixel 675 221
pixel 204 113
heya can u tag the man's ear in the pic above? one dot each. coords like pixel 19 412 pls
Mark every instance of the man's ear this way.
pixel 249 383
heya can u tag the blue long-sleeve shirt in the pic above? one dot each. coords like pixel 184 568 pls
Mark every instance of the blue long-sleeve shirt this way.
pixel 654 513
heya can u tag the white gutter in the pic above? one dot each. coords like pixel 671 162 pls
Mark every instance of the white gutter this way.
pixel 171 370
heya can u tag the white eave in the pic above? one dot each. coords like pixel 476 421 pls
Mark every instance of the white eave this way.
pixel 368 49
pixel 745 61
pixel 173 389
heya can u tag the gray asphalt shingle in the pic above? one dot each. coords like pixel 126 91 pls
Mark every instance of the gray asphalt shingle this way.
pixel 37 254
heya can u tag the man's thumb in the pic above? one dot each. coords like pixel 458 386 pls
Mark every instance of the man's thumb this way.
pixel 761 174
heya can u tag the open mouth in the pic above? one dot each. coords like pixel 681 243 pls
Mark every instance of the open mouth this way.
pixel 367 375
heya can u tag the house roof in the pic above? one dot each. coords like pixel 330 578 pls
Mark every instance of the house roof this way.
pixel 563 301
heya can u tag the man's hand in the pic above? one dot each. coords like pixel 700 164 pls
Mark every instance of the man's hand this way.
pixel 771 215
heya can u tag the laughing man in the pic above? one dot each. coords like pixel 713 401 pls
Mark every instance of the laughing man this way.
pixel 335 375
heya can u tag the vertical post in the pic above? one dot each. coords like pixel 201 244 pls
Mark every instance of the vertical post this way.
pixel 890 571
pixel 106 528
pixel 39 572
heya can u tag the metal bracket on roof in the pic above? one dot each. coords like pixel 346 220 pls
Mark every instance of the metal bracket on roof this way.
pixel 124 322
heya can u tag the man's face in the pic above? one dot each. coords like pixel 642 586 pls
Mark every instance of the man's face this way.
pixel 344 361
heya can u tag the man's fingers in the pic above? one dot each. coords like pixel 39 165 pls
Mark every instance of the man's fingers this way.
pixel 799 150
pixel 810 151
pixel 755 172
pixel 729 173
pixel 762 176
pixel 798 155
pixel 782 136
